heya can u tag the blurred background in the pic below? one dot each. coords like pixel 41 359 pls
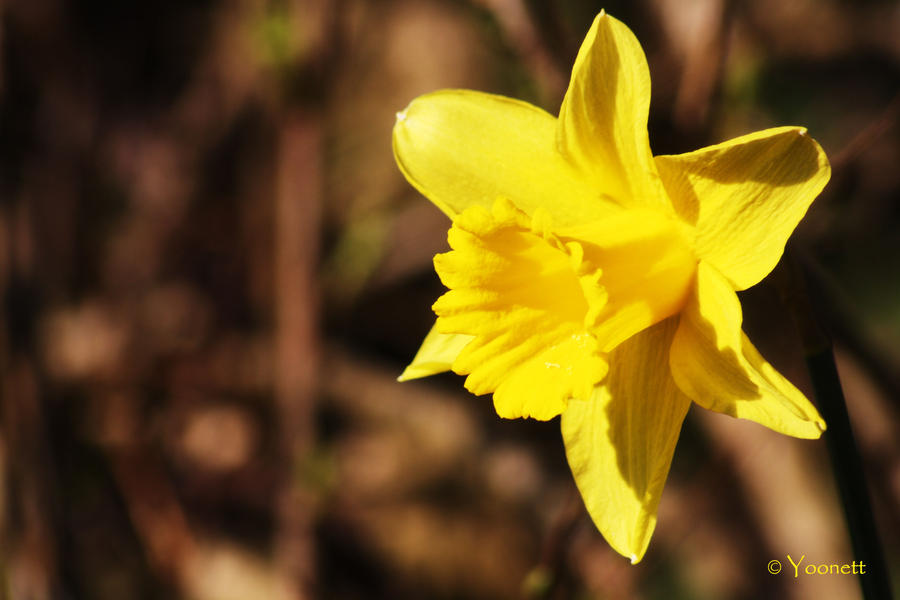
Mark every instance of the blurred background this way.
pixel 213 272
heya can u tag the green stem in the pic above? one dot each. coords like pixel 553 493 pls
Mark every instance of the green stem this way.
pixel 842 449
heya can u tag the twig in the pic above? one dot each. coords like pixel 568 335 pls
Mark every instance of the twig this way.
pixel 545 578
pixel 703 67
pixel 522 33
pixel 865 138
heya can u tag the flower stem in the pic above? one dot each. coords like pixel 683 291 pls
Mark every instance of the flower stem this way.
pixel 842 449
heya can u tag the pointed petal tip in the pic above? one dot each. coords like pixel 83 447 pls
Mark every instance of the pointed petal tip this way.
pixel 634 559
pixel 401 116
pixel 410 373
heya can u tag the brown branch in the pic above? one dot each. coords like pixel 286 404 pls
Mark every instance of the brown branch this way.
pixel 299 201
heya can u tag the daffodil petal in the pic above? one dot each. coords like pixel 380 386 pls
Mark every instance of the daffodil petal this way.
pixel 603 119
pixel 746 196
pixel 519 293
pixel 714 363
pixel 435 355
pixel 461 148
pixel 620 443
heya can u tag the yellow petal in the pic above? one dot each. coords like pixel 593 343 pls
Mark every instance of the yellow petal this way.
pixel 620 443
pixel 520 294
pixel 714 363
pixel 603 119
pixel 462 148
pixel 435 355
pixel 746 196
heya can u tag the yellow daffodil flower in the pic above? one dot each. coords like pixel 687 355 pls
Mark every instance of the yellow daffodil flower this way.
pixel 593 280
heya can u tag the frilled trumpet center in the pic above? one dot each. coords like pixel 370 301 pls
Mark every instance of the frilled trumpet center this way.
pixel 546 305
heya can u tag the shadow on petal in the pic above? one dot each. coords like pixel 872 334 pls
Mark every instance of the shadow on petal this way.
pixel 645 410
pixel 780 157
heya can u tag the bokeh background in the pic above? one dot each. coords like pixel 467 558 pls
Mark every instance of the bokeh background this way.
pixel 213 272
